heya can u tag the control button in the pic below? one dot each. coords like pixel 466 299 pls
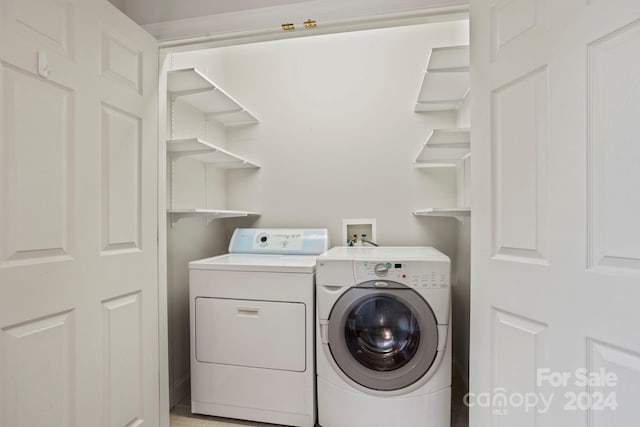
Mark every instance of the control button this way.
pixel 404 276
pixel 388 265
pixel 381 270
pixel 263 239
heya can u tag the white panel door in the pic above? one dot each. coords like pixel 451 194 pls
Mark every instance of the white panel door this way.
pixel 556 235
pixel 78 217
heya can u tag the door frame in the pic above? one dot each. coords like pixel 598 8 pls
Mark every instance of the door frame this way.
pixel 384 20
pixel 167 47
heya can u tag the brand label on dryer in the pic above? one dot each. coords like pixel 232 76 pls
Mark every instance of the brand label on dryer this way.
pixel 283 239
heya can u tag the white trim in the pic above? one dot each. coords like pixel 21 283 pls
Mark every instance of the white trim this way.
pixel 264 25
pixel 163 307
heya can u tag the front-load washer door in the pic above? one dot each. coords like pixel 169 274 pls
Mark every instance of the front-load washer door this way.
pixel 383 335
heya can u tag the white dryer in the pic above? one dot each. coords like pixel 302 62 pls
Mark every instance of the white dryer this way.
pixel 252 317
pixel 383 345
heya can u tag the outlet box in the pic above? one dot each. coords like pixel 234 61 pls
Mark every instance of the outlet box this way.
pixel 359 226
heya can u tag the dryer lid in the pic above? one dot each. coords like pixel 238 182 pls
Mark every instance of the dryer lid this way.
pixel 254 262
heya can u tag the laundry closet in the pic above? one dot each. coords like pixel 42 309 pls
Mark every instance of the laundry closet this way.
pixel 134 143
pixel 309 132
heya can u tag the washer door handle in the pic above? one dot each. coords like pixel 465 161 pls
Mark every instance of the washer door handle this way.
pixel 324 333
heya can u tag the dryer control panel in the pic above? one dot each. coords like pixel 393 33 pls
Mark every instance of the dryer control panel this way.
pixel 414 274
pixel 279 241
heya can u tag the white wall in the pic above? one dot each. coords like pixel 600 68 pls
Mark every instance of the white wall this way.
pixel 120 4
pixel 338 134
pixel 337 139
pixel 188 240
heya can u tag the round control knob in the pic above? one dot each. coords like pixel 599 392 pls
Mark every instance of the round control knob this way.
pixel 381 270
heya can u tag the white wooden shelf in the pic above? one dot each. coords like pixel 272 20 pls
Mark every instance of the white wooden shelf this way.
pixel 444 147
pixel 449 58
pixel 198 90
pixel 446 80
pixel 209 214
pixel 457 213
pixel 204 151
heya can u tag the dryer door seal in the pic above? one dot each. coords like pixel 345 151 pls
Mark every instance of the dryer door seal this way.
pixel 383 339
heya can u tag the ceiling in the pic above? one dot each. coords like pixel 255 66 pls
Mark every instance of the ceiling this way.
pixel 152 11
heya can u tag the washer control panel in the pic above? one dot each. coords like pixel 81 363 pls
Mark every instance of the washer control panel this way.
pixel 415 274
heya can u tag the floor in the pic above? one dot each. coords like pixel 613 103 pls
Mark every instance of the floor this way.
pixel 181 415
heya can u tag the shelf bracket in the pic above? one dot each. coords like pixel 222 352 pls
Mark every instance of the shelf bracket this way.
pixel 210 218
pixel 175 218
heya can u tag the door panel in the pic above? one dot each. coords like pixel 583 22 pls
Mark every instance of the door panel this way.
pixel 123 361
pixel 78 216
pixel 518 349
pixel 36 229
pixel 39 352
pixel 121 62
pixel 519 135
pixel 627 366
pixel 515 25
pixel 45 23
pixel 555 251
pixel 121 180
pixel 613 116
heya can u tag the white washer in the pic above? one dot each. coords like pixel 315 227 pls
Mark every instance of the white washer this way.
pixel 252 317
pixel 383 346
